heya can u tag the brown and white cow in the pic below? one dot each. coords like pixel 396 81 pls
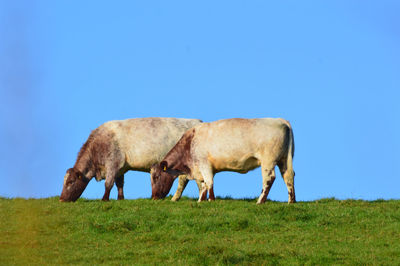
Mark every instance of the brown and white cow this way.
pixel 121 145
pixel 238 145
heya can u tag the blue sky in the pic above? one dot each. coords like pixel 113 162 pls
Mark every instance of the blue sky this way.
pixel 330 67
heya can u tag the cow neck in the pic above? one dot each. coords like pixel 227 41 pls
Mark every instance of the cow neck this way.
pixel 179 158
pixel 84 168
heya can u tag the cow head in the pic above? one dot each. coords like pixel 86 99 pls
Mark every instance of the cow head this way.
pixel 162 179
pixel 74 185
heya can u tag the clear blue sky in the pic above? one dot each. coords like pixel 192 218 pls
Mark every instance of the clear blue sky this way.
pixel 332 68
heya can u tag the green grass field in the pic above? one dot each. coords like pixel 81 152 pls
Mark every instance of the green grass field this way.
pixel 143 231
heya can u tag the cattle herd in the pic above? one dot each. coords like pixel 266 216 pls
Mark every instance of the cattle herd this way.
pixel 187 149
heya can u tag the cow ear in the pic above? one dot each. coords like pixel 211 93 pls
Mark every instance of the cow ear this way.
pixel 164 166
pixel 78 174
pixel 70 171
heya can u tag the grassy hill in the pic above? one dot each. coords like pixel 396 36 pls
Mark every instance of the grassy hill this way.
pixel 143 231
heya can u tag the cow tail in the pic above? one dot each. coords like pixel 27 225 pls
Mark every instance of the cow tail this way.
pixel 290 155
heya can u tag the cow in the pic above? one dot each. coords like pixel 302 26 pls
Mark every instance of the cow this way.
pixel 121 145
pixel 237 145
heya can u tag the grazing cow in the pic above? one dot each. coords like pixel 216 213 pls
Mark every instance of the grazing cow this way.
pixel 237 145
pixel 118 146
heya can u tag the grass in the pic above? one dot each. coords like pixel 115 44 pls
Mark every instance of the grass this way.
pixel 227 231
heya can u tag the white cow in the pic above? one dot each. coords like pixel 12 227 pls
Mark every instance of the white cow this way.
pixel 118 146
pixel 238 145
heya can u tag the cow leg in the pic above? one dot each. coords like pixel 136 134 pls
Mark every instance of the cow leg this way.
pixel 119 182
pixel 183 181
pixel 288 177
pixel 113 170
pixel 207 185
pixel 211 196
pixel 110 178
pixel 106 196
pixel 268 175
pixel 199 185
pixel 202 192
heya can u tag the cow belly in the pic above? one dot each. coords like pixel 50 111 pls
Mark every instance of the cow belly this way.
pixel 144 160
pixel 241 165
